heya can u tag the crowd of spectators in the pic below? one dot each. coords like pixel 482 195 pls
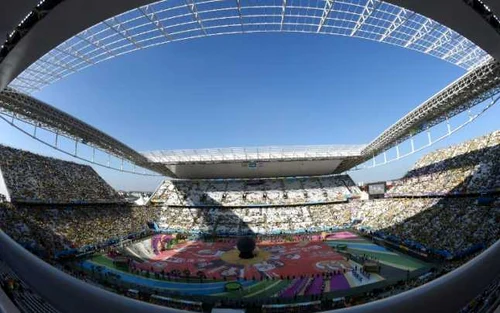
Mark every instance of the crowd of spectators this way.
pixel 440 223
pixel 55 229
pixel 448 225
pixel 424 221
pixel 247 192
pixel 452 225
pixel 33 178
pixel 469 167
pixel 263 220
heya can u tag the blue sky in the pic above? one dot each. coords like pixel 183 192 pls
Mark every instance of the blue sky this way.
pixel 252 90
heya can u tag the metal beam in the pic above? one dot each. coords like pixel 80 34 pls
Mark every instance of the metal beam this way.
pixel 26 84
pixel 151 16
pixel 422 31
pixel 192 7
pixel 401 18
pixel 283 10
pixel 326 12
pixel 445 37
pixel 143 32
pixel 70 18
pixel 473 53
pixel 56 64
pixel 460 46
pixel 370 7
pixel 90 40
pixel 474 87
pixel 32 79
pixel 74 53
pixel 238 4
pixel 37 72
pixel 115 25
pixel 39 113
pixel 431 141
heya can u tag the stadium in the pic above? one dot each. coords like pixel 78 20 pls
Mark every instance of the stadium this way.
pixel 248 229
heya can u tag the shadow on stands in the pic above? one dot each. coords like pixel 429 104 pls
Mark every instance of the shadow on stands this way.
pixel 294 183
pixel 220 222
pixel 453 226
pixel 458 161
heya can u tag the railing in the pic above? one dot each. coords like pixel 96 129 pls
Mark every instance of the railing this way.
pixel 64 292
pixel 6 306
pixel 67 294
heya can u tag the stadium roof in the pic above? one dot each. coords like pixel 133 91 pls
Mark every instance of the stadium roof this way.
pixel 256 161
pixel 45 51
pixel 257 169
pixel 472 88
pixel 267 154
pixel 39 114
pixel 40 51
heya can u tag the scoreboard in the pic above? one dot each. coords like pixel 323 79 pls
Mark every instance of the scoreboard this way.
pixel 376 189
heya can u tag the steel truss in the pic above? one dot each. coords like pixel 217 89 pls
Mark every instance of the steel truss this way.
pixel 430 141
pixel 469 90
pixel 17 106
pixel 177 20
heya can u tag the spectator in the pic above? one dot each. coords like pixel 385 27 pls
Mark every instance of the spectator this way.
pixel 34 178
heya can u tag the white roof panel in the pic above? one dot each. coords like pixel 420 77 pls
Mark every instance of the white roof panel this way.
pixel 269 153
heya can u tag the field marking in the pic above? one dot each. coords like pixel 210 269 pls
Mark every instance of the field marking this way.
pixel 211 285
pixel 262 290
pixel 400 266
pixel 249 287
pixel 374 251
